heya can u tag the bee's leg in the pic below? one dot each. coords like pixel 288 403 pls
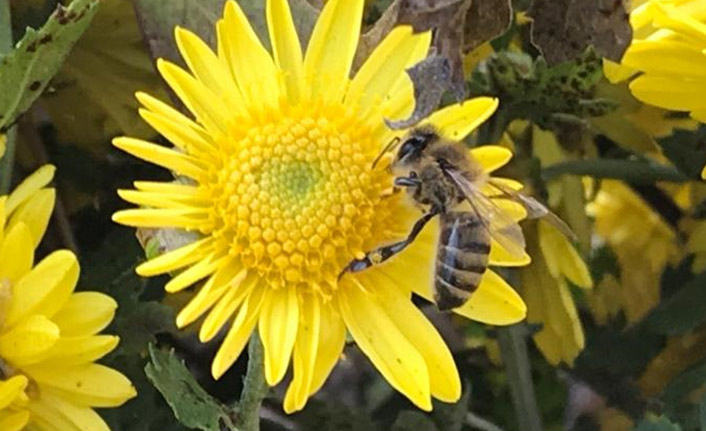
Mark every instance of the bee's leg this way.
pixel 411 181
pixel 381 254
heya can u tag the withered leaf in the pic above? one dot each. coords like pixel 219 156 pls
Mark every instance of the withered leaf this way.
pixel 431 78
pixel 460 25
pixel 563 29
pixel 486 20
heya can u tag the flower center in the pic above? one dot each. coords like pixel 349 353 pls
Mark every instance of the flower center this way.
pixel 296 199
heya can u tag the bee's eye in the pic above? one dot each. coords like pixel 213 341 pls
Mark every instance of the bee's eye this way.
pixel 411 145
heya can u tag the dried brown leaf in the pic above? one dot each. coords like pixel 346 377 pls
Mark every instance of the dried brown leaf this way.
pixel 563 29
pixel 431 78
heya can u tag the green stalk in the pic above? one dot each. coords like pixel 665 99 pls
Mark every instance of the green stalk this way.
pixel 513 348
pixel 6 44
pixel 254 388
pixel 626 170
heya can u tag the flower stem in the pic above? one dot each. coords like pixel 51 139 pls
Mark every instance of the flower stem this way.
pixel 6 44
pixel 626 170
pixel 254 388
pixel 513 347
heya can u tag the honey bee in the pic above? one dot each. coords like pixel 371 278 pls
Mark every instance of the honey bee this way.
pixel 442 177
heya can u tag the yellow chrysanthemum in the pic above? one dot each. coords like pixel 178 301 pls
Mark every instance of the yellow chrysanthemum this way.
pixel 48 333
pixel 643 242
pixel 546 292
pixel 278 183
pixel 668 49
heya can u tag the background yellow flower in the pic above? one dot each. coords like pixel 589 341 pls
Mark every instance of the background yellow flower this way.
pixel 49 335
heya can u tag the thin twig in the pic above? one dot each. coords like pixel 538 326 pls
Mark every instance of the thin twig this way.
pixel 477 422
pixel 36 145
pixel 254 388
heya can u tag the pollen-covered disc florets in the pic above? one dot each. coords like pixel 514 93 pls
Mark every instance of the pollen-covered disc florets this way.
pixel 296 197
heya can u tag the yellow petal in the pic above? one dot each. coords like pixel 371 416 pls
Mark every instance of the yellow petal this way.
pixel 561 257
pixel 207 67
pixel 501 257
pixel 16 253
pixel 53 412
pixel 85 313
pixel 182 136
pixel 207 266
pixel 250 63
pixel 11 389
pixel 669 92
pixel 161 156
pixel 29 341
pixel 459 120
pixel 382 341
pixel 46 289
pixel 491 157
pixel 211 111
pixel 211 292
pixel 88 385
pixel 445 381
pixel 162 218
pixel 332 338
pixel 40 178
pixel 176 123
pixel 175 259
pixel 616 72
pixel 399 50
pixel 238 288
pixel 279 321
pixel 666 57
pixel 81 350
pixel 494 302
pixel 15 421
pixel 35 213
pixel 286 47
pixel 239 333
pixel 305 353
pixel 331 49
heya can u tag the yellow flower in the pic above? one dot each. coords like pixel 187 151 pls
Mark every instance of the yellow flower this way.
pixel 668 49
pixel 643 242
pixel 279 184
pixel 547 294
pixel 48 333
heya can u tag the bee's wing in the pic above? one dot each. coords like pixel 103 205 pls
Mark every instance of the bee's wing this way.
pixel 535 209
pixel 502 228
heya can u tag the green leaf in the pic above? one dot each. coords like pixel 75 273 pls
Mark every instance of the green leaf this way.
pixel 413 421
pixel 27 69
pixel 191 404
pixel 657 423
pixel 684 310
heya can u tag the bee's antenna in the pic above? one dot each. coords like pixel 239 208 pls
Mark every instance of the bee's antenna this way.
pixel 393 141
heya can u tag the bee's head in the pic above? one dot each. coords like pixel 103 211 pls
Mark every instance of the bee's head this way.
pixel 414 144
pixel 411 146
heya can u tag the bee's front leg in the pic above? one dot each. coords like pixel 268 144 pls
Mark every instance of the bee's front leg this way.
pixel 383 253
pixel 410 181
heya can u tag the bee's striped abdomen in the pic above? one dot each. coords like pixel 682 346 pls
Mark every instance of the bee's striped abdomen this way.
pixel 461 258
